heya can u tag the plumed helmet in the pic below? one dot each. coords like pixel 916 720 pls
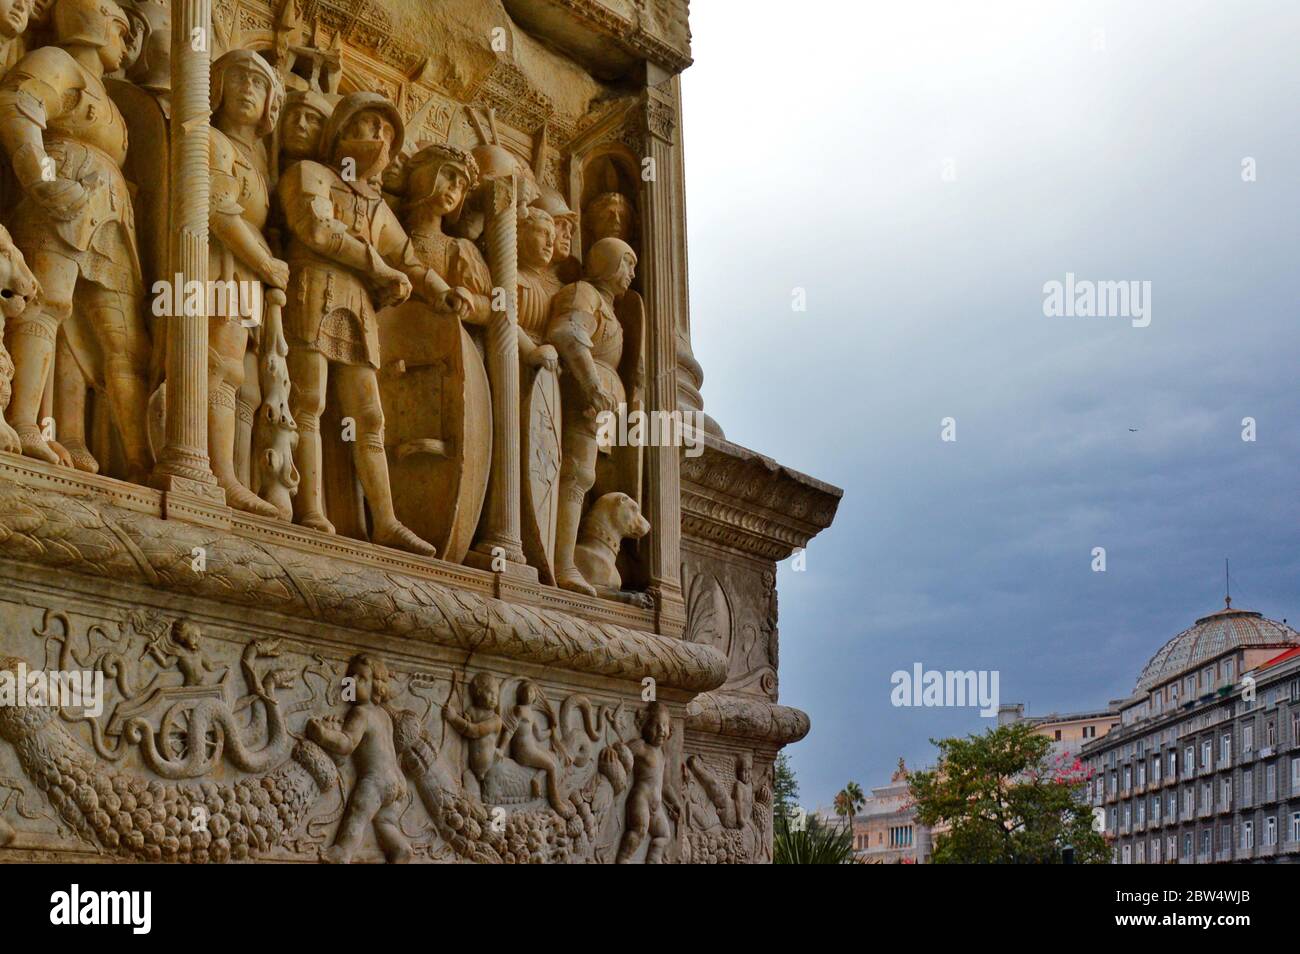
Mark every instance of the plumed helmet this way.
pixel 253 61
pixel 604 258
pixel 422 172
pixel 86 22
pixel 352 105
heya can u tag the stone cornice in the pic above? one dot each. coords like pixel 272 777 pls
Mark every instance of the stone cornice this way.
pixel 737 498
pixel 746 717
pixel 87 531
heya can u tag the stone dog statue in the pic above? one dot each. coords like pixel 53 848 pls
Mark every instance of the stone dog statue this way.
pixel 610 519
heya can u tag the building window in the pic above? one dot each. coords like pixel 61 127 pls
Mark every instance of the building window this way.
pixel 1142 774
pixel 1206 834
pixel 1189 760
pixel 1171 847
pixel 1295 690
pixel 1225 838
pixel 1128 815
pixel 1225 793
pixel 1173 764
pixel 1247 786
pixel 1058 735
pixel 1173 806
pixel 1225 748
pixel 1207 748
pixel 1270 830
pixel 1295 775
pixel 1270 733
pixel 1207 797
pixel 1141 856
pixel 1142 812
pixel 1155 769
pixel 1248 737
pixel 1155 851
pixel 1090 732
pixel 1173 693
pixel 1126 855
pixel 1187 845
pixel 1295 827
pixel 1155 810
pixel 1247 835
pixel 1189 802
pixel 1270 782
pixel 1229 670
pixel 1295 727
pixel 1128 777
pixel 1190 685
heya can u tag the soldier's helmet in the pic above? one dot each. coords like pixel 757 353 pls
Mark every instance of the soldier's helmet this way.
pixel 605 258
pixel 251 60
pixel 422 172
pixel 350 106
pixel 87 22
pixel 551 201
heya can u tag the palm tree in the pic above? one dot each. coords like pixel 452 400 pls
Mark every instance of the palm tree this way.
pixel 849 802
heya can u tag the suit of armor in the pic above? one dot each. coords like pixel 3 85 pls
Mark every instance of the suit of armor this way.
pixel 589 338
pixel 348 255
pixel 67 142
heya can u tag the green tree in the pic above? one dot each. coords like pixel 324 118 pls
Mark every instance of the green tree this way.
pixel 785 788
pixel 848 803
pixel 1006 800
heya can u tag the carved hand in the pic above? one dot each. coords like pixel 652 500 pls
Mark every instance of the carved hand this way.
pixel 600 398
pixel 544 356
pixel 61 199
pixel 391 286
pixel 456 300
pixel 276 273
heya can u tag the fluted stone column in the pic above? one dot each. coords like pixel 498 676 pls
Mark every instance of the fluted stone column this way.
pixel 183 464
pixel 663 278
pixel 502 533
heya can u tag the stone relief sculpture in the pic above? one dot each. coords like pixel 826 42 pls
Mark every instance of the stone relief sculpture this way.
pixel 67 142
pixel 342 238
pixel 17 289
pixel 589 338
pixel 420 361
pixel 246 100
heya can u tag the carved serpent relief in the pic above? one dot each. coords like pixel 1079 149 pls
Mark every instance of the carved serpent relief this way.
pixel 520 781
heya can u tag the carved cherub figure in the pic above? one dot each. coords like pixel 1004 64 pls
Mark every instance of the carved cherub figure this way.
pixel 481 725
pixel 536 727
pixel 650 804
pixel 187 645
pixel 366 734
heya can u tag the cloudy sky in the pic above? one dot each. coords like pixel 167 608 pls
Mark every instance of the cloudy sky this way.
pixel 921 170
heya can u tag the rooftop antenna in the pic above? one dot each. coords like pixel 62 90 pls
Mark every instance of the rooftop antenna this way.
pixel 1227 585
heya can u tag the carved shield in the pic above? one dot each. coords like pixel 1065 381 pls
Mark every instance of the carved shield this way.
pixel 540 453
pixel 437 424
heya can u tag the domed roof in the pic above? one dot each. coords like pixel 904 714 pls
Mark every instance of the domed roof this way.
pixel 1212 636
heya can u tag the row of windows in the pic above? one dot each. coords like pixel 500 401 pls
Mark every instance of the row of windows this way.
pixel 1205 841
pixel 1190 803
pixel 1207 753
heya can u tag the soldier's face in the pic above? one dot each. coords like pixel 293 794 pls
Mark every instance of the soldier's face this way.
pixel 13 17
pixel 300 132
pixel 537 242
pixel 626 272
pixel 449 188
pixel 113 52
pixel 243 95
pixel 610 221
pixel 563 239
pixel 367 138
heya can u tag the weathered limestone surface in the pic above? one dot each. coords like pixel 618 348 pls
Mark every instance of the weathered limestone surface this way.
pixel 318 538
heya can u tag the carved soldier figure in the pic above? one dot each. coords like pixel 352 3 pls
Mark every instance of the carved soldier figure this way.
pixel 586 331
pixel 246 99
pixel 537 286
pixel 67 142
pixel 565 266
pixel 439 179
pixel 349 255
